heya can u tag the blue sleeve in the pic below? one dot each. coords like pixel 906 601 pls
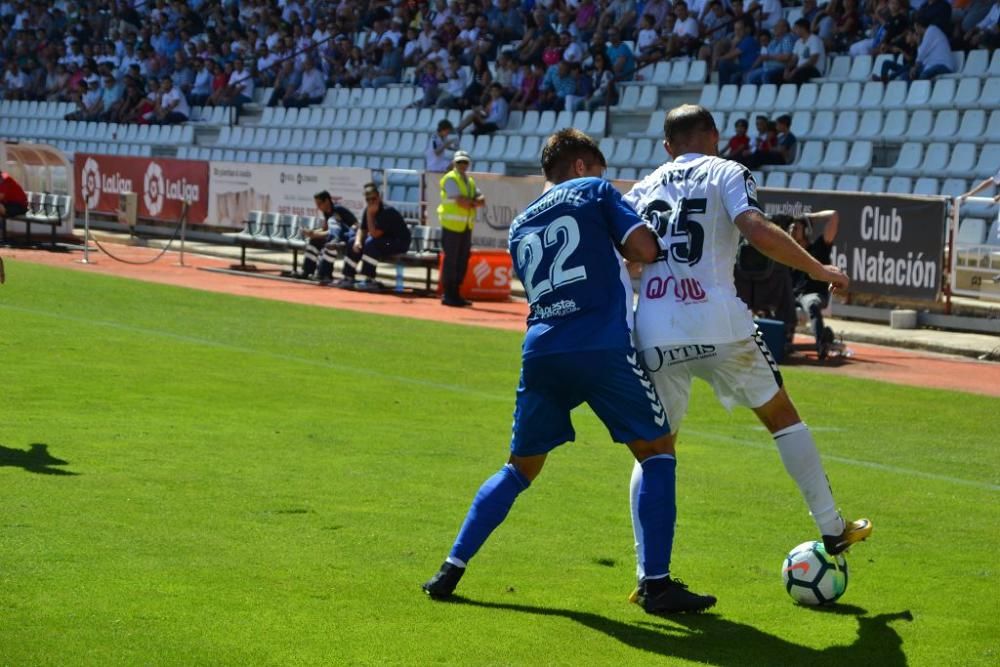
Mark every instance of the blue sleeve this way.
pixel 621 217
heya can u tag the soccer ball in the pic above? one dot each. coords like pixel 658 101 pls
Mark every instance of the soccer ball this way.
pixel 813 577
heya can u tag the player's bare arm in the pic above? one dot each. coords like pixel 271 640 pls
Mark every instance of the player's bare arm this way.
pixel 779 246
pixel 829 220
pixel 640 246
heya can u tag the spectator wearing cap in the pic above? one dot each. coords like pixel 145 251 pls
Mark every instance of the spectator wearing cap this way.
pixel 381 234
pixel 457 214
pixel 491 118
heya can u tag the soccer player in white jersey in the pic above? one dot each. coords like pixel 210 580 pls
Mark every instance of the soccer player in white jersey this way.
pixel 690 322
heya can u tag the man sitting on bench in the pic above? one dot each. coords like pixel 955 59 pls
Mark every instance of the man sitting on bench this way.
pixel 324 242
pixel 382 234
pixel 13 199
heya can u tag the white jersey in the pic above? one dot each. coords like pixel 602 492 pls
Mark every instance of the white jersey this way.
pixel 688 294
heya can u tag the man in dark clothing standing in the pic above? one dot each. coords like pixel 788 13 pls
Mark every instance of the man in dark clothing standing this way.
pixel 382 233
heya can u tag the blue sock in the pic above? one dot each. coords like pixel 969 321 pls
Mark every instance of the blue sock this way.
pixel 489 509
pixel 658 512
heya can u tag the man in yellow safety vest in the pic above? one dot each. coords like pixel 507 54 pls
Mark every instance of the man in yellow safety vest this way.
pixel 457 214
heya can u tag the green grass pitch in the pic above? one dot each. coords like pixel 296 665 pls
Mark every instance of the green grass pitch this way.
pixel 194 479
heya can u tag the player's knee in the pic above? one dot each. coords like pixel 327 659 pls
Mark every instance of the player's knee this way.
pixel 528 466
pixel 643 449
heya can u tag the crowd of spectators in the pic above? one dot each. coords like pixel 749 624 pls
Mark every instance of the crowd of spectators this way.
pixel 149 61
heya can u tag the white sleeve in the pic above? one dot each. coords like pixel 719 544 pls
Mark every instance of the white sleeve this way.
pixel 739 190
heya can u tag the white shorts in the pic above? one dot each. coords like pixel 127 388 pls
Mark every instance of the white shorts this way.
pixel 741 373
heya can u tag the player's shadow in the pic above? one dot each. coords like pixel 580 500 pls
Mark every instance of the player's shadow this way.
pixel 715 640
pixel 35 459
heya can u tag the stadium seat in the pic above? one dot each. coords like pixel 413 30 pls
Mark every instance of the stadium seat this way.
pixel 918 95
pixel 709 96
pixel 895 94
pixel 645 154
pixel 871 95
pixel 660 74
pixel 943 94
pixel 802 122
pixel 848 183
pixel 835 157
pixel 946 125
pixel 861 69
pixel 498 147
pixel 850 96
pixel 895 125
pixel 907 162
pixel 994 69
pixel 973 125
pixel 679 73
pixel 936 156
pixel 654 128
pixel 963 158
pixel 746 99
pixel 720 122
pixel 926 186
pixel 776 179
pixel 564 119
pixel 822 125
pixel 767 95
pixel 810 158
pixel 902 185
pixel 727 98
pixel 873 184
pixel 860 158
pixel 628 174
pixel 953 187
pixel 971 231
pixel 824 182
pixel 785 101
pixel 976 64
pixel 989 98
pixel 629 100
pixel 649 98
pixel 920 125
pixel 829 93
pixel 806 98
pixel 530 151
pixel 967 94
pixel 876 70
pixel 992 131
pixel 989 161
pixel 698 72
pixel 847 125
pixel 839 70
pixel 515 144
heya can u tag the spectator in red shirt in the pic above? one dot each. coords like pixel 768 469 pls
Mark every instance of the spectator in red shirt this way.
pixel 13 200
pixel 739 146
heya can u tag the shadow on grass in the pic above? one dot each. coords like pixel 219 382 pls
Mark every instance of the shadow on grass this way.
pixel 36 459
pixel 717 641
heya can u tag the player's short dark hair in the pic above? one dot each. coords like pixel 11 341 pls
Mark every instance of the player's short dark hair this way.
pixel 685 120
pixel 741 121
pixel 564 148
pixel 802 23
pixel 784 119
pixel 322 196
pixel 445 124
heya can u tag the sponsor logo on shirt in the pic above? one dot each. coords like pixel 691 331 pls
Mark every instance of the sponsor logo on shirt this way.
pixel 557 309
pixel 685 290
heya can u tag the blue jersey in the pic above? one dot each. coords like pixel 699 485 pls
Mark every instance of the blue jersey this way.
pixel 565 252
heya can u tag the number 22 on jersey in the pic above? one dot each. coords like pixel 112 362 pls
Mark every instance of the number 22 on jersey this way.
pixel 558 241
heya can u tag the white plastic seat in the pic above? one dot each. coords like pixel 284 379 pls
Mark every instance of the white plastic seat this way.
pixel 860 158
pixel 498 146
pixel 564 119
pixel 822 125
pixel 767 94
pixel 530 150
pixel 847 125
pixel 828 96
pixel 661 73
pixel 698 72
pixel 746 98
pixel 598 121
pixel 709 96
pixel 873 184
pixel 810 157
pixel 622 156
pixel 967 94
pixel 953 187
pixel 895 124
pixel 648 98
pixel 992 131
pixel 895 95
pixel 802 122
pixel 727 97
pixel 994 69
pixel 872 94
pixel 679 72
pixel 785 100
pixel 861 68
pixel 835 156
pixel 655 126
pixel 806 98
pixel 976 63
pixel 514 145
pixel 629 100
pixel 840 69
pixel 963 159
pixel 943 94
pixel 989 98
pixel 642 152
pixel 918 95
pixel 546 123
pixel 850 96
pixel 945 125
pixel 920 125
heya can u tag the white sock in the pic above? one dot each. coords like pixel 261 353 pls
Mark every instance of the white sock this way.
pixel 455 561
pixel 801 459
pixel 633 498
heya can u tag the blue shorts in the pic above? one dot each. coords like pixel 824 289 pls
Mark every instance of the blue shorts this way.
pixel 611 382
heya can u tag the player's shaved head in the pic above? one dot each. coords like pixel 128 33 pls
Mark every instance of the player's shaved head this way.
pixel 690 128
pixel 563 149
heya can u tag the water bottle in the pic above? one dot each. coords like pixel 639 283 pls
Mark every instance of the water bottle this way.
pixel 399 278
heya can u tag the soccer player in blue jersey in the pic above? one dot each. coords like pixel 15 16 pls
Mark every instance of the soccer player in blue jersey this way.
pixel 567 248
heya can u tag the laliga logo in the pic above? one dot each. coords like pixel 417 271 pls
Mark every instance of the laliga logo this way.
pixel 685 289
pixel 152 189
pixel 91 186
pixel 481 271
